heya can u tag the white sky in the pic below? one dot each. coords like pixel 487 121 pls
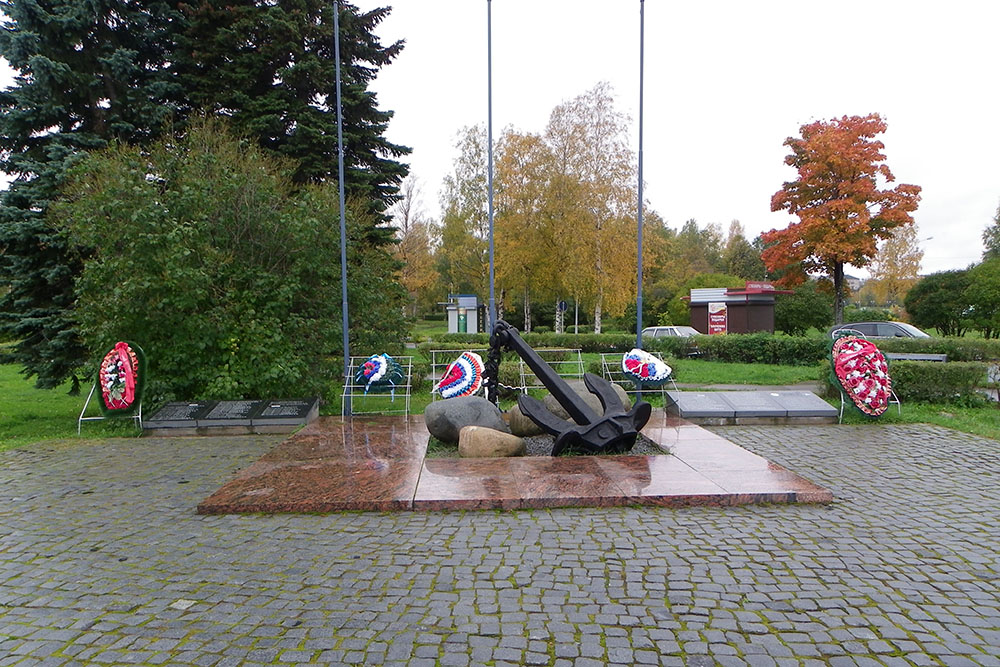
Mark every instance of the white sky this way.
pixel 726 82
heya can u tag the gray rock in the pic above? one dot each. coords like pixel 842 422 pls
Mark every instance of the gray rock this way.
pixel 478 442
pixel 446 418
pixel 520 424
pixel 591 399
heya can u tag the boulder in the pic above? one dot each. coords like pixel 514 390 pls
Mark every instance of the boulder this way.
pixel 591 399
pixel 478 442
pixel 520 424
pixel 446 418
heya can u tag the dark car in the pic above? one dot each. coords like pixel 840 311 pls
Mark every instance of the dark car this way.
pixel 881 329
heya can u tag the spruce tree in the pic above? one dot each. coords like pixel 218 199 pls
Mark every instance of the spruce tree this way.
pixel 88 72
pixel 270 67
pixel 95 71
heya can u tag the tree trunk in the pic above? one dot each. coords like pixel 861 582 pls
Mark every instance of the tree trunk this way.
pixel 527 312
pixel 597 312
pixel 503 294
pixel 559 318
pixel 838 293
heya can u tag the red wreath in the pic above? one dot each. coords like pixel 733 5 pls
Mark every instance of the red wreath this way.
pixel 863 372
pixel 118 374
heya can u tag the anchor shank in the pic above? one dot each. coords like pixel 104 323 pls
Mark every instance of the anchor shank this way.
pixel 579 411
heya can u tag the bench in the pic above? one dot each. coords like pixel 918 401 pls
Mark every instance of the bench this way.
pixel 908 356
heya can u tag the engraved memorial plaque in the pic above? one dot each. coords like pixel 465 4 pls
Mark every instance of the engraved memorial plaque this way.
pixel 179 414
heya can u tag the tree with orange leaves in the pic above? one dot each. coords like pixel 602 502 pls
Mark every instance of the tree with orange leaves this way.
pixel 842 202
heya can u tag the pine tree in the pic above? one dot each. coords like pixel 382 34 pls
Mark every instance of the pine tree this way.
pixel 88 73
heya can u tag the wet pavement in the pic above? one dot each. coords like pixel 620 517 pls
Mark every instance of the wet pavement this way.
pixel 103 560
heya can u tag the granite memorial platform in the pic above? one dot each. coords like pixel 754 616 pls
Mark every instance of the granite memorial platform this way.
pixel 751 407
pixel 231 417
pixel 379 463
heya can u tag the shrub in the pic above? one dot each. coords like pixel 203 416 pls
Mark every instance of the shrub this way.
pixel 927 381
pixel 763 348
pixel 957 349
pixel 218 266
pixel 419 379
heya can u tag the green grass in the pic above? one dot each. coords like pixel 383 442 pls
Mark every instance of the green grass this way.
pixel 422 330
pixel 29 415
pixel 697 371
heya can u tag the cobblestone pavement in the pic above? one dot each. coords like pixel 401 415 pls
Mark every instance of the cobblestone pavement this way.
pixel 104 561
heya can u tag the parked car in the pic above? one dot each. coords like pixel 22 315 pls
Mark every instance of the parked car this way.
pixel 881 329
pixel 665 332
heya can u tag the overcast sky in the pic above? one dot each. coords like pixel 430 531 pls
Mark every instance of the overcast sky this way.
pixel 725 84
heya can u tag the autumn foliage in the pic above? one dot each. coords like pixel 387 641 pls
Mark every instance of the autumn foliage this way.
pixel 841 200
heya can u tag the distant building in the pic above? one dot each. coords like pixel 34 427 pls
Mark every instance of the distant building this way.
pixel 716 310
pixel 465 313
pixel 853 282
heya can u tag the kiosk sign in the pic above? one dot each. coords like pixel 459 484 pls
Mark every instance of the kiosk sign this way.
pixel 718 321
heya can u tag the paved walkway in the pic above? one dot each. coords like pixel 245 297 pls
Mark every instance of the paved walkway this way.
pixel 104 561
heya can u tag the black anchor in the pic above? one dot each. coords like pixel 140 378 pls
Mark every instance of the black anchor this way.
pixel 613 432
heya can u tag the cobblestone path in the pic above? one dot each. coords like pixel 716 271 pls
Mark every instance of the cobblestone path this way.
pixel 104 561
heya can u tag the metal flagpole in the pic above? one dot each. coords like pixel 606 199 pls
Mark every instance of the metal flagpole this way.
pixel 340 205
pixel 489 152
pixel 638 298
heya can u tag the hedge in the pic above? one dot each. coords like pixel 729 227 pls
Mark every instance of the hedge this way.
pixel 762 348
pixel 928 381
pixel 957 349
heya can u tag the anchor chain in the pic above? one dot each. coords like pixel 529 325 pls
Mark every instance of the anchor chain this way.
pixel 491 374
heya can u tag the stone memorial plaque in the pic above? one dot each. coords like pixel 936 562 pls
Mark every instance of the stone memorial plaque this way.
pixel 291 411
pixel 803 404
pixel 180 414
pixel 754 404
pixel 701 404
pixel 231 413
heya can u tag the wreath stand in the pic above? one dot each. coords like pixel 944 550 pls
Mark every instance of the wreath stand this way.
pixel 611 369
pixel 137 417
pixel 373 403
pixel 892 399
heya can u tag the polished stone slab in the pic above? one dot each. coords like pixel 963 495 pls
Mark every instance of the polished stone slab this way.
pixel 230 413
pixel 231 417
pixel 179 414
pixel 751 407
pixel 804 404
pixel 688 404
pixel 754 404
pixel 378 463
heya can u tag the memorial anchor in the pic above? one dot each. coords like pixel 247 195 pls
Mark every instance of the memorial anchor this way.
pixel 614 431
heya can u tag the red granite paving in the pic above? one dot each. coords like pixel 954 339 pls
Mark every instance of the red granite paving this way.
pixel 378 463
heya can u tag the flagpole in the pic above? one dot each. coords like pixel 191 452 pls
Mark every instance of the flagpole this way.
pixel 343 219
pixel 638 298
pixel 489 152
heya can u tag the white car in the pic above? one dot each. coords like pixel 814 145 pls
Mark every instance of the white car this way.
pixel 671 331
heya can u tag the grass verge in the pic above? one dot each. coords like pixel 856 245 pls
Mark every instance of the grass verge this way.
pixel 29 415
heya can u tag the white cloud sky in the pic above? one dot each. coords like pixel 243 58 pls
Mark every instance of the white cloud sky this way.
pixel 725 83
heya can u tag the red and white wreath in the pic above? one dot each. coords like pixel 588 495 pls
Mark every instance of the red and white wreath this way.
pixel 118 377
pixel 863 372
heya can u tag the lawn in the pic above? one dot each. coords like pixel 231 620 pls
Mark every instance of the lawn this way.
pixel 30 415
